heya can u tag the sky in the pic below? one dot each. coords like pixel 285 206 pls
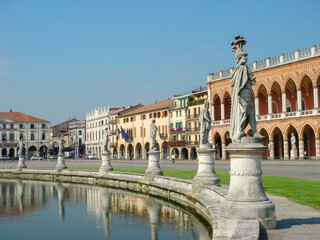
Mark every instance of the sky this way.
pixel 60 59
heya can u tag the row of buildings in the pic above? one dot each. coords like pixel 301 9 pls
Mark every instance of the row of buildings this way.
pixel 286 99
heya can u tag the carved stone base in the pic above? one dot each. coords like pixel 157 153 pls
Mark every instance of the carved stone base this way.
pixel 246 199
pixel 61 165
pixel 106 165
pixel 206 174
pixel 153 167
pixel 21 163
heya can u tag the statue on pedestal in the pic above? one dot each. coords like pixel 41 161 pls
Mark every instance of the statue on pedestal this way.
pixel 293 142
pixel 242 110
pixel 21 145
pixel 61 142
pixel 106 146
pixel 153 132
pixel 205 123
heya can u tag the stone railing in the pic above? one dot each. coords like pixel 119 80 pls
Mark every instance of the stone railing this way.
pixel 269 62
pixel 276 116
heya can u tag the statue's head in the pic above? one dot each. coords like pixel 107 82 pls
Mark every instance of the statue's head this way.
pixel 206 103
pixel 153 121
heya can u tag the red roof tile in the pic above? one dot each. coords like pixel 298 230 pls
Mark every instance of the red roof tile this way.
pixel 20 117
pixel 155 106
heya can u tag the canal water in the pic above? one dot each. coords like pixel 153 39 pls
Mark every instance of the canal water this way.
pixel 50 210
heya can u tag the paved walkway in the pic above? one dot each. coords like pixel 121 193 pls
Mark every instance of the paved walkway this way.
pixel 295 222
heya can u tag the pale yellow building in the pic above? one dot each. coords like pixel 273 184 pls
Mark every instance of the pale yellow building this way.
pixel 136 124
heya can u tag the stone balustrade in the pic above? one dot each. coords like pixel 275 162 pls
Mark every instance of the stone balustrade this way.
pixel 269 62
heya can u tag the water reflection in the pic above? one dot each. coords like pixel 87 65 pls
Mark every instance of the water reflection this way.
pixel 96 212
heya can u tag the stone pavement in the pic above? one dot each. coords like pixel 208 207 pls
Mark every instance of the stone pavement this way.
pixel 294 221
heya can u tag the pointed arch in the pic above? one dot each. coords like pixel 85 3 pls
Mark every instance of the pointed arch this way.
pixel 306 88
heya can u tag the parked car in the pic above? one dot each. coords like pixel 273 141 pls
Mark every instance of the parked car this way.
pixel 86 157
pixel 53 157
pixel 15 158
pixel 37 158
pixel 5 158
pixel 92 156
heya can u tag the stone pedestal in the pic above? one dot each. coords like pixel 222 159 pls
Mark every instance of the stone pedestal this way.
pixel 153 167
pixel 246 199
pixel 106 165
pixel 293 154
pixel 206 174
pixel 61 165
pixel 21 163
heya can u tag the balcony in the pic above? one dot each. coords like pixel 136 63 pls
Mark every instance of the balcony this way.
pixel 192 143
pixel 177 130
pixel 177 143
pixel 129 139
pixel 194 116
pixel 113 132
pixel 113 145
pixel 195 129
pixel 163 136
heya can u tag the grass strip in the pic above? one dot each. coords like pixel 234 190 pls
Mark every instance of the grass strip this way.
pixel 302 191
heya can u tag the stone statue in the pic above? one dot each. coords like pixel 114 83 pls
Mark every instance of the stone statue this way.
pixel 242 110
pixel 108 134
pixel 153 132
pixel 205 123
pixel 21 145
pixel 293 142
pixel 61 142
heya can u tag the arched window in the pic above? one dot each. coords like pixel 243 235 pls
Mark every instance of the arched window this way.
pixel 4 136
pixel 11 136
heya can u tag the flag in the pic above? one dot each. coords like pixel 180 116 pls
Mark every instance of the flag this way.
pixel 123 134
pixel 118 134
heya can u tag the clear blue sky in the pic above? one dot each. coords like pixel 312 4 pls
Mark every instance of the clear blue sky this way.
pixel 60 59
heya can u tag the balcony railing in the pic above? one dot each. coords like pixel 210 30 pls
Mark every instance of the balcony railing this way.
pixel 129 139
pixel 113 132
pixel 192 143
pixel 176 143
pixel 195 129
pixel 177 130
pixel 276 116
pixel 194 116
pixel 163 136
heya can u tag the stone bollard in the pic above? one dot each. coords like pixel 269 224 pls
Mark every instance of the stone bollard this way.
pixel 21 163
pixel 246 199
pixel 106 165
pixel 153 166
pixel 60 165
pixel 206 174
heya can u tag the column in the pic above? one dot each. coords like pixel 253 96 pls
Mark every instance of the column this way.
pixel 317 148
pixel 271 149
pixel 284 102
pixel 315 97
pixel 256 102
pixel 212 112
pixel 299 99
pixel 286 149
pixel 269 104
pixel 301 149
pixel 222 111
pixel 223 149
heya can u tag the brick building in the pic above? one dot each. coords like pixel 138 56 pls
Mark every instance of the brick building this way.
pixel 286 100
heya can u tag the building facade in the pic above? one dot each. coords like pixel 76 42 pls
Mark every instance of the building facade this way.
pixel 136 124
pixel 286 101
pixel 97 121
pixel 35 132
pixel 77 130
